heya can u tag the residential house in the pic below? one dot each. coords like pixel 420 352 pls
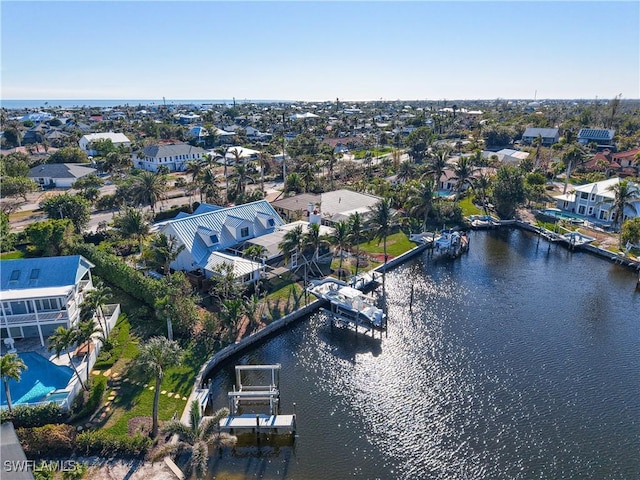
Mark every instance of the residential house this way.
pixel 629 161
pixel 59 175
pixel 507 156
pixel 37 295
pixel 210 237
pixel 549 135
pixel 603 138
pixel 595 200
pixel 118 139
pixel 174 156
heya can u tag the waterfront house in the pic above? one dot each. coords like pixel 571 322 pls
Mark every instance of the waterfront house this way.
pixel 59 175
pixel 40 294
pixel 174 156
pixel 117 139
pixel 214 235
pixel 594 200
pixel 549 135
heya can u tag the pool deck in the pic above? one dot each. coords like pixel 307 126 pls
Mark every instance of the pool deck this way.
pixel 23 345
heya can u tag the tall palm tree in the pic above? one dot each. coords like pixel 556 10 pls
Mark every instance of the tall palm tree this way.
pixel 93 301
pixel 64 339
pixel 83 336
pixel 149 188
pixel 463 172
pixel 480 185
pixel 292 242
pixel 438 164
pixel 156 356
pixel 625 196
pixel 421 200
pixel 382 222
pixel 340 240
pixel 196 437
pixel 264 158
pixel 241 177
pixel 313 239
pixel 355 234
pixel 406 171
pixel 209 186
pixel 11 368
pixel 221 153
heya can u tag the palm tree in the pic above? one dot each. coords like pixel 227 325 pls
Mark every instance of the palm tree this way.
pixel 209 186
pixel 83 336
pixel 132 223
pixel 438 164
pixel 156 356
pixel 625 196
pixel 480 185
pixel 11 368
pixel 340 239
pixel 163 250
pixel 421 200
pixel 94 300
pixel 64 339
pixel 292 242
pixel 197 436
pixel 382 222
pixel 264 158
pixel 221 153
pixel 149 188
pixel 406 171
pixel 313 239
pixel 463 172
pixel 242 177
pixel 355 233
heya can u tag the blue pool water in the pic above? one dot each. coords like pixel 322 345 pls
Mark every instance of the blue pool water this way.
pixel 39 379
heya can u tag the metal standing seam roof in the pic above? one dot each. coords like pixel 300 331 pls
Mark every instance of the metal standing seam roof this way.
pixel 544 132
pixel 186 229
pixel 241 266
pixel 41 273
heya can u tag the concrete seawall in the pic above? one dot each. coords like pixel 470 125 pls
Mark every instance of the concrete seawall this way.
pixel 273 328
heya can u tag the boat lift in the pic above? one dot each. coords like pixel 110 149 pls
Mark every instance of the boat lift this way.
pixel 256 394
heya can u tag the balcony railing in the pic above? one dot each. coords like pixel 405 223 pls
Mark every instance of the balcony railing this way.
pixel 30 318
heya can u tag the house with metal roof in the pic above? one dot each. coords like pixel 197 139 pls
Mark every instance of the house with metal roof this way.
pixel 174 156
pixel 59 175
pixel 222 230
pixel 37 295
pixel 600 136
pixel 549 135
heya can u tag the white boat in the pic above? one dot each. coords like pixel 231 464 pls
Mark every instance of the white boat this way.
pixel 348 303
pixel 448 239
pixel 577 238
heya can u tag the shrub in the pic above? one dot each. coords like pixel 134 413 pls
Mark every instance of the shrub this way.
pixel 171 213
pixel 95 396
pixel 105 444
pixel 49 440
pixel 37 416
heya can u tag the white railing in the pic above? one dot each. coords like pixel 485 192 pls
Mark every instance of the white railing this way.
pixel 43 317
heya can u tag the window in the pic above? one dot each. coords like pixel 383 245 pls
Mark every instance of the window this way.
pixel 581 210
pixel 15 276
pixel 271 222
pixel 214 238
pixel 244 232
pixel 584 195
pixel 35 273
pixel 47 304
pixel 590 211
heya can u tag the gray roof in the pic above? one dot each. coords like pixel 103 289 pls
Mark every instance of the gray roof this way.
pixel 27 273
pixel 11 451
pixel 544 132
pixel 194 230
pixel 172 150
pixel 60 170
pixel 341 201
pixel 297 202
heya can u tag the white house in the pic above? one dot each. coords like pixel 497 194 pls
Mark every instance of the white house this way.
pixel 174 156
pixel 118 139
pixel 207 235
pixel 59 175
pixel 37 295
pixel 596 199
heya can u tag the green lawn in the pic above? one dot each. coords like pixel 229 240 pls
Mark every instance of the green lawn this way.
pixel 468 207
pixel 397 244
pixel 12 255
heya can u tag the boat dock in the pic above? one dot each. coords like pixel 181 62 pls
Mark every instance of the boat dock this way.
pixel 267 396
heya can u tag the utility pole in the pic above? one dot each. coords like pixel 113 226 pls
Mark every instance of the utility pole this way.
pixel 284 155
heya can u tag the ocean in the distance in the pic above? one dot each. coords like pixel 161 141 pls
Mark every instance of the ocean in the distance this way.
pixel 34 104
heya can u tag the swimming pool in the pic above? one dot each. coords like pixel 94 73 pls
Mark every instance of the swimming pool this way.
pixel 562 215
pixel 40 379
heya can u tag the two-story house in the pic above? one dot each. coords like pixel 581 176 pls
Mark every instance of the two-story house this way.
pixel 603 138
pixel 596 200
pixel 549 136
pixel 37 295
pixel 174 156
pixel 210 233
pixel 86 142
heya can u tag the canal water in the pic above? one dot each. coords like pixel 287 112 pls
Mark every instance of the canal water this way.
pixel 515 361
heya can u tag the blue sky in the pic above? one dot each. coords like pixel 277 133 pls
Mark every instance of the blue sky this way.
pixel 319 50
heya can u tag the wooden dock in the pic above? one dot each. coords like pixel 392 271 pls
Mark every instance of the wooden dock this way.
pixel 259 423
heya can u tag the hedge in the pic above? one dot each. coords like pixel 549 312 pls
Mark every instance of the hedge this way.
pixel 49 440
pixel 108 445
pixel 36 416
pixel 109 266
